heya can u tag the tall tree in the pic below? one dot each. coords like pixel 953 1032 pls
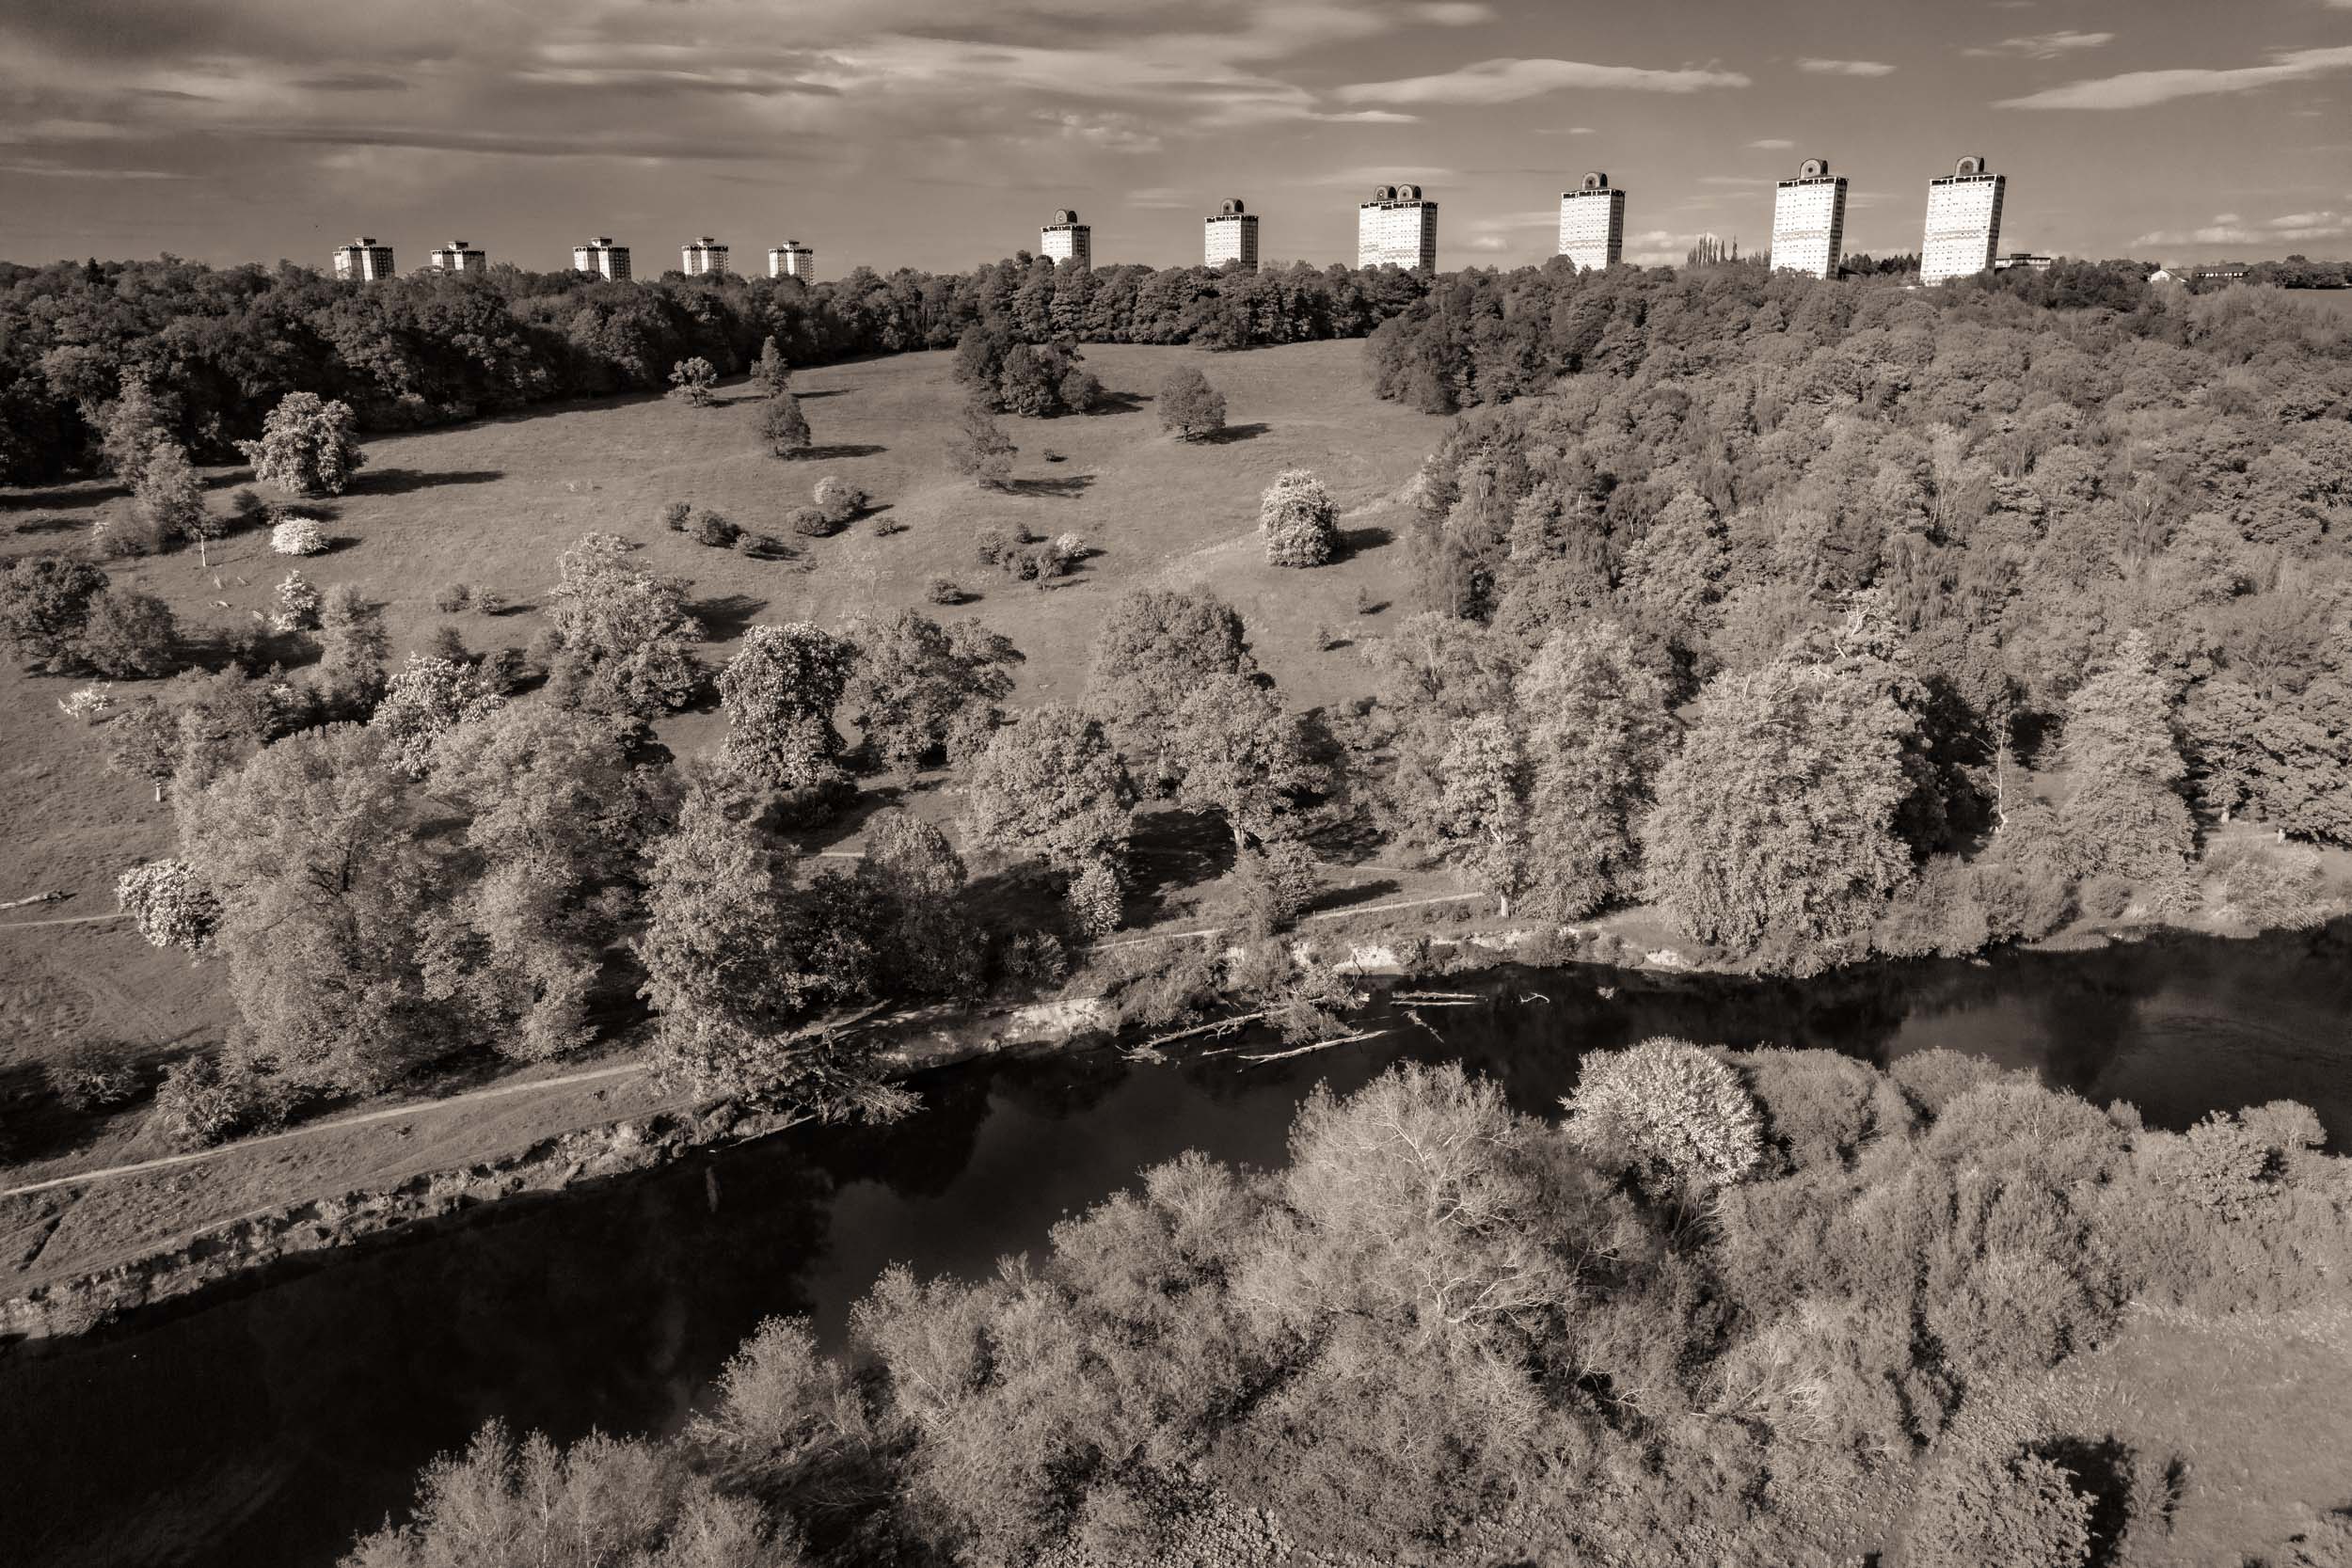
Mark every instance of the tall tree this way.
pixel 1051 787
pixel 1774 833
pixel 921 689
pixel 1596 730
pixel 979 448
pixel 627 641
pixel 780 690
pixel 2125 817
pixel 1155 648
pixel 306 446
pixel 1234 751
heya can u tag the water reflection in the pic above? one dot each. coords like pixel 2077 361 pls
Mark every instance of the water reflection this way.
pixel 267 1424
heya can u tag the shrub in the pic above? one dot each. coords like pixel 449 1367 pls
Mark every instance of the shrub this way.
pixel 748 543
pixel 128 534
pixel 94 1078
pixel 506 669
pixel 1665 1107
pixel 838 499
pixel 782 426
pixel 809 521
pixel 990 544
pixel 942 591
pixel 44 605
pixel 169 904
pixel 1095 899
pixel 298 535
pixel 2021 1512
pixel 675 516
pixel 452 597
pixel 130 634
pixel 712 529
pixel 1298 520
pixel 2105 897
pixel 89 702
pixel 490 601
pixel 1080 391
pixel 203 1099
pixel 691 381
pixel 1189 407
pixel 2261 886
pixel 1278 882
pixel 1036 959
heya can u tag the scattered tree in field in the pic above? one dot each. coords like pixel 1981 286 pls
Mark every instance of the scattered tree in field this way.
pixel 557 821
pixel 979 448
pixel 44 605
pixel 1298 520
pixel 1773 831
pixel 693 381
pixel 1234 752
pixel 298 536
pixel 1156 647
pixel 1051 788
pixel 1080 389
pixel 423 702
pixel 168 903
pixel 922 690
pixel 780 691
pixel 782 426
pixel 171 500
pixel 770 373
pixel 838 499
pixel 626 642
pixel 1189 407
pixel 1668 1110
pixel 306 446
pixel 313 850
pixel 130 634
pixel 2125 817
pixel 298 600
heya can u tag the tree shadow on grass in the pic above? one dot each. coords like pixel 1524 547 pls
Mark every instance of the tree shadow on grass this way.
pixel 1232 432
pixel 1361 541
pixel 1065 488
pixel 725 617
pixel 821 392
pixel 1347 897
pixel 49 525
pixel 403 481
pixel 835 453
pixel 1116 402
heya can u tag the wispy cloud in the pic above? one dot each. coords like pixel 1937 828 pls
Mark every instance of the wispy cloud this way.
pixel 2045 46
pixel 1506 81
pixel 1567 131
pixel 1773 144
pixel 1845 68
pixel 45 170
pixel 1453 13
pixel 2141 90
pixel 2230 228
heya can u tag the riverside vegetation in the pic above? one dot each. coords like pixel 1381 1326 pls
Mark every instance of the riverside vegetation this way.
pixel 1824 619
pixel 1773 1306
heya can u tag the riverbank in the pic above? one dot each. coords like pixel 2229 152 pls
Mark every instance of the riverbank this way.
pixel 80 1250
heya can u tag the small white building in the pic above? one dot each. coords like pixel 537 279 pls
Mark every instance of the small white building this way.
pixel 603 258
pixel 1397 228
pixel 1066 239
pixel 793 260
pixel 1230 235
pixel 457 256
pixel 363 260
pixel 1809 221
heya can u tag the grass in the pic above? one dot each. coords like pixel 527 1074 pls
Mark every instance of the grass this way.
pixel 491 504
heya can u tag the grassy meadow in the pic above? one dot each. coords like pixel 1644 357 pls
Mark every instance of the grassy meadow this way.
pixel 493 503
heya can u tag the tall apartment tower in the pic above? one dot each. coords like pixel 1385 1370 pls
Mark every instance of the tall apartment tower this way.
pixel 1964 232
pixel 1397 228
pixel 363 260
pixel 457 256
pixel 1230 235
pixel 793 260
pixel 1809 221
pixel 1592 223
pixel 1066 239
pixel 703 257
pixel 603 258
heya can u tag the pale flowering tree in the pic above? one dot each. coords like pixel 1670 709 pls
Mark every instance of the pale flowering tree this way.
pixel 168 903
pixel 1665 1107
pixel 1298 519
pixel 298 536
pixel 427 700
pixel 306 446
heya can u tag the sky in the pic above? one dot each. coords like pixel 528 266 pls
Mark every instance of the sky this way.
pixel 939 134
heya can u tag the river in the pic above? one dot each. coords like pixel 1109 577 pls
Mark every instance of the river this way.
pixel 267 1423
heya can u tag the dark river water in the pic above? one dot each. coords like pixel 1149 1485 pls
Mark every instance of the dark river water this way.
pixel 268 1422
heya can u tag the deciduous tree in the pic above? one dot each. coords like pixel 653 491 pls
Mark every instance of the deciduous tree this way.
pixel 780 690
pixel 306 446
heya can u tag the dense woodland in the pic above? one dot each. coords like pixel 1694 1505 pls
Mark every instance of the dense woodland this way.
pixel 224 346
pixel 1772 1307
